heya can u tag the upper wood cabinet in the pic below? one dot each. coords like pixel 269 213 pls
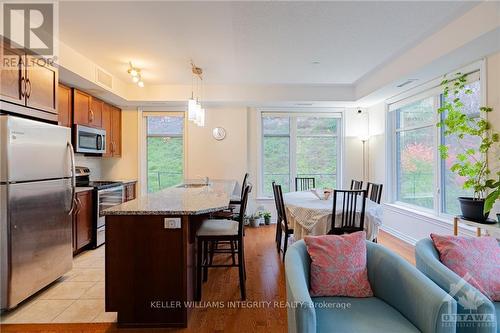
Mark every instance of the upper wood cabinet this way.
pixel 112 123
pixel 87 110
pixel 96 112
pixel 116 131
pixel 12 75
pixel 64 110
pixel 26 80
pixel 41 84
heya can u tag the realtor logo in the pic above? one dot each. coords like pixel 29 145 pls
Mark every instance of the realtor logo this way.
pixel 30 26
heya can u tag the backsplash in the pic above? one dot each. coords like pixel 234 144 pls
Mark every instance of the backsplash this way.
pixel 93 163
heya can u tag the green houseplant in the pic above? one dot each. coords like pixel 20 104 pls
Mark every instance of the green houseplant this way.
pixel 267 218
pixel 470 163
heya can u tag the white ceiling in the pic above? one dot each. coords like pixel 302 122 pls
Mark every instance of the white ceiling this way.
pixel 250 42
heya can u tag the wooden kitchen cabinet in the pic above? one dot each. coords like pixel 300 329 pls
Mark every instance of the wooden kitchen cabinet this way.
pixel 87 110
pixel 82 220
pixel 116 131
pixel 112 123
pixel 96 112
pixel 81 107
pixel 12 75
pixel 64 110
pixel 41 84
pixel 27 80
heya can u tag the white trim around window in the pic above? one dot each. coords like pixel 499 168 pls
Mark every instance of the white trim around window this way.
pixel 409 97
pixel 292 114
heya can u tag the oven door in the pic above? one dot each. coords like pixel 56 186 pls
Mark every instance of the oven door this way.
pixel 90 140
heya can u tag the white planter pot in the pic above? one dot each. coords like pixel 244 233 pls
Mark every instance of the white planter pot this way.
pixel 254 223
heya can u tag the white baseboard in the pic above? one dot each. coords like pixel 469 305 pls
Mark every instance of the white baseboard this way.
pixel 405 238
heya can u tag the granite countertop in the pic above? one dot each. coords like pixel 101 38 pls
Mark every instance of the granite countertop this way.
pixel 191 199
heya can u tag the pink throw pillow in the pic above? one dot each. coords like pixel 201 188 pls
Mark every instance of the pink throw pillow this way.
pixel 478 256
pixel 338 266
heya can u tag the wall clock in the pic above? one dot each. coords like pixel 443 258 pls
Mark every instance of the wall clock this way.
pixel 219 133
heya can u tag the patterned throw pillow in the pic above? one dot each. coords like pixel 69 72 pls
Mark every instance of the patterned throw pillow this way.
pixel 338 266
pixel 478 256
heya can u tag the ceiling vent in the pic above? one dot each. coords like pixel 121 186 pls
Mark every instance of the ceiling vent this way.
pixel 103 78
pixel 407 82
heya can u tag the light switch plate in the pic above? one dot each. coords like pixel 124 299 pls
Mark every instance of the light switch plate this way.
pixel 172 223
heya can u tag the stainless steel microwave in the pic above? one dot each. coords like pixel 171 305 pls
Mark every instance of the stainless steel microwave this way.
pixel 89 140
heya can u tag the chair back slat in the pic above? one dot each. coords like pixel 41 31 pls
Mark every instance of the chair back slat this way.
pixel 349 220
pixel 243 208
pixel 244 183
pixel 356 184
pixel 304 183
pixel 374 191
pixel 276 203
pixel 281 207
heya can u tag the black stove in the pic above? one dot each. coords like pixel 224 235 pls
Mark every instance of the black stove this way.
pixel 83 180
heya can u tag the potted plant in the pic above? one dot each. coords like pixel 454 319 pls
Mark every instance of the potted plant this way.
pixel 255 219
pixel 267 218
pixel 470 163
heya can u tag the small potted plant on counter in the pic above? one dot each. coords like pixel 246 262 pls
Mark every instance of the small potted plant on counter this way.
pixel 267 218
pixel 470 162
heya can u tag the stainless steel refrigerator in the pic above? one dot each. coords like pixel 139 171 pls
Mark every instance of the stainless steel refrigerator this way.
pixel 37 192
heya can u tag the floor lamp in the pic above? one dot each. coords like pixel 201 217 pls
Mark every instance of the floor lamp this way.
pixel 364 140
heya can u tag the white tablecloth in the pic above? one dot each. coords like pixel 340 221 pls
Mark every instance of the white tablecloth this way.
pixel 308 215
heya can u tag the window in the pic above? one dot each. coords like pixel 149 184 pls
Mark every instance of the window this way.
pixel 298 145
pixel 415 153
pixel 165 152
pixel 421 178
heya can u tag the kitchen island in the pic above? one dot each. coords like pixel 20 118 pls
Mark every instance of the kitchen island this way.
pixel 150 252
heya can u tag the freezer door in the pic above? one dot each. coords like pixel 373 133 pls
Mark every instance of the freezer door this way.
pixel 32 150
pixel 40 243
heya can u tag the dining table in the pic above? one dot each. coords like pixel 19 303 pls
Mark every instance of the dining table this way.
pixel 308 215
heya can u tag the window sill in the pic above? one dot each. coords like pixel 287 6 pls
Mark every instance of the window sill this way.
pixel 439 220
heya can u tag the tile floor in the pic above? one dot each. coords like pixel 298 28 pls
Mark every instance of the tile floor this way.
pixel 77 297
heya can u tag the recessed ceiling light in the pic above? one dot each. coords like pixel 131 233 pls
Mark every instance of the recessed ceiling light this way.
pixel 315 62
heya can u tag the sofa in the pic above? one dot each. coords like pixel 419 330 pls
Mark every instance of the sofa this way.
pixel 427 260
pixel 405 300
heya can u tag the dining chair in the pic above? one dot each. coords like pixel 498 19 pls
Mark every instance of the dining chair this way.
pixel 374 191
pixel 285 228
pixel 221 230
pixel 356 184
pixel 304 183
pixel 350 219
pixel 278 218
pixel 236 200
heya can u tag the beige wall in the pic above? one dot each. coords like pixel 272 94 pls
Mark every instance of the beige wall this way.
pixel 205 156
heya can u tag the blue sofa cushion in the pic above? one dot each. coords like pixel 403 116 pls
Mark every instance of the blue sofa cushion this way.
pixel 364 315
pixel 497 310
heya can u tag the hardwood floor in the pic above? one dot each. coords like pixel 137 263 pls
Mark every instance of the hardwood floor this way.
pixel 265 283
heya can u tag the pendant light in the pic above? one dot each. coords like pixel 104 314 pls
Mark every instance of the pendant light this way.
pixel 196 113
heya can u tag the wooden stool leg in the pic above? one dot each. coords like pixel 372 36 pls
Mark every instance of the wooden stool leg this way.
pixel 455 226
pixel 205 261
pixel 285 245
pixel 478 232
pixel 232 253
pixel 241 268
pixel 199 255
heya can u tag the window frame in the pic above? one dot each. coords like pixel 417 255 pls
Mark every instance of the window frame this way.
pixel 293 115
pixel 144 142
pixel 476 73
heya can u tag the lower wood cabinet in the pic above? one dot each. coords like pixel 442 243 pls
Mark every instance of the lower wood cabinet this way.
pixel 82 221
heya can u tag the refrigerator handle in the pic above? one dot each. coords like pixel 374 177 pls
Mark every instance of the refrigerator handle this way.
pixel 73 178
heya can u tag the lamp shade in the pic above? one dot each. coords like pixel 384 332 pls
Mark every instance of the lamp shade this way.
pixel 192 108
